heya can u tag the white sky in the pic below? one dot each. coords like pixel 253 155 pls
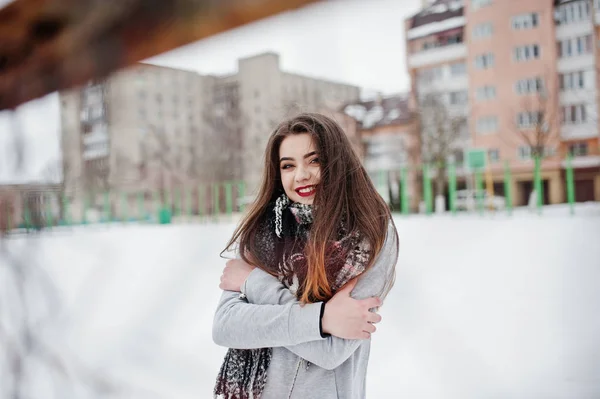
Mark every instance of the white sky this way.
pixel 360 42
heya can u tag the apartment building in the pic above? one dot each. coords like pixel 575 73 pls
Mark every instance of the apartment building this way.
pixel 437 65
pixel 268 94
pixel 577 38
pixel 390 141
pixel 530 72
pixel 150 127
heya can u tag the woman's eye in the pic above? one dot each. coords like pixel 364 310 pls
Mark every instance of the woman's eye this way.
pixel 287 166
pixel 315 160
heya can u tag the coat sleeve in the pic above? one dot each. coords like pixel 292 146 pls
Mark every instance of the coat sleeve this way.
pixel 241 325
pixel 265 290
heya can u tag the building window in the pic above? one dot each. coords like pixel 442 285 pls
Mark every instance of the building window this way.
pixel 573 114
pixel 572 80
pixel 578 149
pixel 524 152
pixel 525 21
pixel 485 93
pixel 476 4
pixel 484 61
pixel 527 120
pixel 483 30
pixel 431 74
pixel 487 125
pixel 458 97
pixel 529 85
pixel 526 53
pixel 459 156
pixel 549 152
pixel 494 155
pixel 458 69
pixel 575 11
pixel 575 46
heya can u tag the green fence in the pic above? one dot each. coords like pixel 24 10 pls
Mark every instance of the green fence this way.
pixel 204 203
pixel 408 190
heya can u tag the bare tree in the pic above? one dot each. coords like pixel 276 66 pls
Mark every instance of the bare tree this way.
pixel 217 150
pixel 536 123
pixel 440 130
pixel 161 159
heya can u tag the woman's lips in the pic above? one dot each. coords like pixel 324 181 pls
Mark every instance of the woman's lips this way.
pixel 305 191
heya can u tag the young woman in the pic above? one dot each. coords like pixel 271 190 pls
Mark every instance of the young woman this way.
pixel 317 251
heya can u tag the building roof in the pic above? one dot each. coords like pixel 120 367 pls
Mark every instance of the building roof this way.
pixel 440 10
pixel 381 112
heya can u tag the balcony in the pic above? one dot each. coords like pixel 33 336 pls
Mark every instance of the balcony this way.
pixel 575 63
pixel 436 27
pixel 437 55
pixel 95 151
pixel 96 137
pixel 586 161
pixel 579 132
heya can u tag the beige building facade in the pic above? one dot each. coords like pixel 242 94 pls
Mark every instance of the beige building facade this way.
pixel 152 128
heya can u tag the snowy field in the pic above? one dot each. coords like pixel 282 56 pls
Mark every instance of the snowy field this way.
pixel 483 307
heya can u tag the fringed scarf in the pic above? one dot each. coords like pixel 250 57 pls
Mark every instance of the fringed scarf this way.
pixel 284 233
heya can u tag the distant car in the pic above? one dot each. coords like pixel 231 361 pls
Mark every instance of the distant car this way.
pixel 468 200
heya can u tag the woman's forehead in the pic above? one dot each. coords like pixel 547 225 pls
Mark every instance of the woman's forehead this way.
pixel 297 144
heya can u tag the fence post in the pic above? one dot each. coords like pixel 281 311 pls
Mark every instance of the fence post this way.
pixel 538 184
pixel 479 191
pixel 141 206
pixel 216 201
pixel 452 187
pixel 228 199
pixel 65 208
pixel 177 202
pixel 188 203
pixel 404 191
pixel 427 189
pixel 26 214
pixel 508 188
pixel 84 207
pixel 570 184
pixel 201 201
pixel 241 195
pixel 107 212
pixel 381 186
pixel 49 218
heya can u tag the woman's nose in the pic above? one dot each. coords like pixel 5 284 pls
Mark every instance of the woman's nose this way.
pixel 302 174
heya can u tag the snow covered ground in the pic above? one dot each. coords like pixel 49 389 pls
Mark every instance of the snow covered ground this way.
pixel 483 307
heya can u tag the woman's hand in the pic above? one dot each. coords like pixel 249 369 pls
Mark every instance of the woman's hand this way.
pixel 349 318
pixel 235 273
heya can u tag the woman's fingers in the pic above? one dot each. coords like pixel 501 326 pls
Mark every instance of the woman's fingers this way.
pixel 370 328
pixel 373 317
pixel 371 303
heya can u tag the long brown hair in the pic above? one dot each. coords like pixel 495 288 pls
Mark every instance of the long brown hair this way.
pixel 344 191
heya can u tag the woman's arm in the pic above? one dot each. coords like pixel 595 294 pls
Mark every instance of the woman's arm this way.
pixel 238 324
pixel 263 289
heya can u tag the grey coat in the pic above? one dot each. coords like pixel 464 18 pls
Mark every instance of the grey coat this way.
pixel 304 365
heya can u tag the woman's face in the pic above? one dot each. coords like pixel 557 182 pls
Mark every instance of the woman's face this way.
pixel 299 167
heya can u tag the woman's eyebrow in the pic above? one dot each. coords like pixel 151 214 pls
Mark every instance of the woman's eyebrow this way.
pixel 310 154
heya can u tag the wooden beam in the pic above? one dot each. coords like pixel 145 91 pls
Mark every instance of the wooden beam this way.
pixel 51 45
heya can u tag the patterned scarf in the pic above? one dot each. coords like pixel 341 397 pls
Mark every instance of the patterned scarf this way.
pixel 284 233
